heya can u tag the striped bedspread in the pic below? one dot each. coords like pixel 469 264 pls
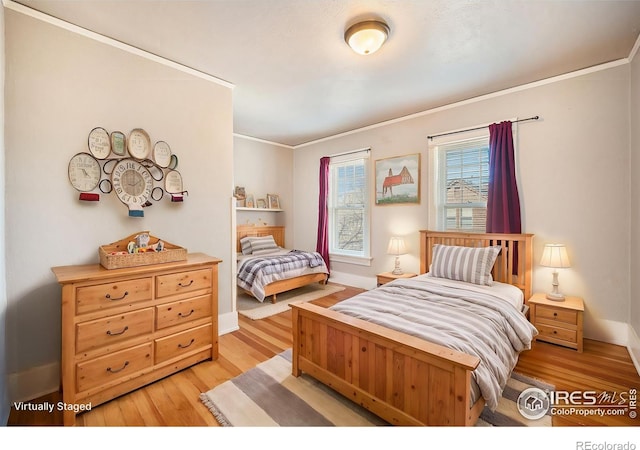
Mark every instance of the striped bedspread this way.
pixel 256 272
pixel 470 321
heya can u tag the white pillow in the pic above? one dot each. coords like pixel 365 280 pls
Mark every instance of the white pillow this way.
pixel 469 264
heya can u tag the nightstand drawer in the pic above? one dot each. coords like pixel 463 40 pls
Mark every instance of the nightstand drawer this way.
pixel 548 313
pixel 547 331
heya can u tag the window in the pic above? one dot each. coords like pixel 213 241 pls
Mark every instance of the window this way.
pixel 349 208
pixel 463 185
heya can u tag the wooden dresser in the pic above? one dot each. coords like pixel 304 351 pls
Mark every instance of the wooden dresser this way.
pixel 124 328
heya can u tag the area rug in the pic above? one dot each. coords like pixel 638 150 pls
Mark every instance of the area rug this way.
pixel 268 396
pixel 253 309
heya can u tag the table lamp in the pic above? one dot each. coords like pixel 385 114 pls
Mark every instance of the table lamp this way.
pixel 555 256
pixel 397 247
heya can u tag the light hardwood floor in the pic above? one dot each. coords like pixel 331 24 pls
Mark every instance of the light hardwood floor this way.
pixel 174 401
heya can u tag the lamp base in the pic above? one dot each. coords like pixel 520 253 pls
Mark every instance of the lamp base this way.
pixel 555 297
pixel 397 270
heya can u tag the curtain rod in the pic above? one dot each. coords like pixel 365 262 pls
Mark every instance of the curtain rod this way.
pixel 478 128
pixel 368 149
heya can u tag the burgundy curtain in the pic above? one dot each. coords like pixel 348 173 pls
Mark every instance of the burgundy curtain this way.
pixel 503 201
pixel 322 245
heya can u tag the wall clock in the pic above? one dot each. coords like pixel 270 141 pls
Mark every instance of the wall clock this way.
pixel 133 184
pixel 99 143
pixel 139 144
pixel 84 172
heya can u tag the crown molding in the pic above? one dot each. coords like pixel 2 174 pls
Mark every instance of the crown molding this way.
pixel 22 9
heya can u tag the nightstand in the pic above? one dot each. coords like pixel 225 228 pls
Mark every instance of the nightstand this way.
pixel 385 277
pixel 558 322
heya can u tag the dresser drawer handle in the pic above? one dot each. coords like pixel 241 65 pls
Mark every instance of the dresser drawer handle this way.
pixel 109 369
pixel 186 315
pixel 188 345
pixel 186 285
pixel 108 296
pixel 555 314
pixel 118 333
pixel 555 332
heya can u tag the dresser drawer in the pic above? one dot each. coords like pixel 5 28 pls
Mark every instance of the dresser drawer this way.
pixel 184 311
pixel 109 295
pixel 550 314
pixel 113 329
pixel 178 283
pixel 112 367
pixel 548 331
pixel 184 342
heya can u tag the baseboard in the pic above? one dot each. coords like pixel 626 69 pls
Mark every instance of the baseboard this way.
pixel 228 322
pixel 609 331
pixel 33 383
pixel 634 348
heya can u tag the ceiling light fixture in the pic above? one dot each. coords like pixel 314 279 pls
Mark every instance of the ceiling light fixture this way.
pixel 366 37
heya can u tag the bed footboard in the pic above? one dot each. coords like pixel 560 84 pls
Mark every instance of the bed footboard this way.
pixel 402 379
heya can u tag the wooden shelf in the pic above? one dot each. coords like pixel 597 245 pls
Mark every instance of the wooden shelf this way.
pixel 242 208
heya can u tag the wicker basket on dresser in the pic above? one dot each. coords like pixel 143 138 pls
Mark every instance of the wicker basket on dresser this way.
pixel 124 328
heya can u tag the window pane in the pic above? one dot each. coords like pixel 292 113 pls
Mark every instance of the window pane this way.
pixel 349 230
pixel 348 208
pixel 468 219
pixel 467 175
pixel 464 185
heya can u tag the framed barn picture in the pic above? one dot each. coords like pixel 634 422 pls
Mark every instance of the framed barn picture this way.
pixel 398 180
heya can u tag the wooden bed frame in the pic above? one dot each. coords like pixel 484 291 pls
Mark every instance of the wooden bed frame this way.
pixel 277 287
pixel 403 379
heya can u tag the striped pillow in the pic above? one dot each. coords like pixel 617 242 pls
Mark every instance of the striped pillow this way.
pixel 469 264
pixel 251 244
pixel 245 244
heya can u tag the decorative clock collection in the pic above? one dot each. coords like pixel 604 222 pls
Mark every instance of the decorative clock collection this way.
pixel 131 169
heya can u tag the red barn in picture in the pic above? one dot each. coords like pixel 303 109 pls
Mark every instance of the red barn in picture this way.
pixel 404 177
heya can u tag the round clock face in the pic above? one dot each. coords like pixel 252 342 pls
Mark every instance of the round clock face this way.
pixel 173 182
pixel 139 144
pixel 99 143
pixel 162 154
pixel 132 183
pixel 84 172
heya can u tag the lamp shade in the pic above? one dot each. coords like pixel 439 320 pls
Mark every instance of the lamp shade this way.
pixel 366 37
pixel 396 246
pixel 555 255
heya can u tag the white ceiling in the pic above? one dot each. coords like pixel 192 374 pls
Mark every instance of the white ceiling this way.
pixel 297 81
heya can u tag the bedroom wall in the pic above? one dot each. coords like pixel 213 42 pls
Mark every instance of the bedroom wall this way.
pixel 573 175
pixel 4 392
pixel 259 167
pixel 59 86
pixel 635 205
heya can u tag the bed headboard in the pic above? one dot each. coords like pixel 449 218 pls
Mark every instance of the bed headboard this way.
pixel 503 270
pixel 252 230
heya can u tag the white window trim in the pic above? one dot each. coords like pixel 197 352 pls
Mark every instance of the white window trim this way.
pixel 347 258
pixel 436 222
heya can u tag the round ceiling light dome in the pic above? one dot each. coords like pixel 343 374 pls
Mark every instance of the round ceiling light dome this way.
pixel 366 37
